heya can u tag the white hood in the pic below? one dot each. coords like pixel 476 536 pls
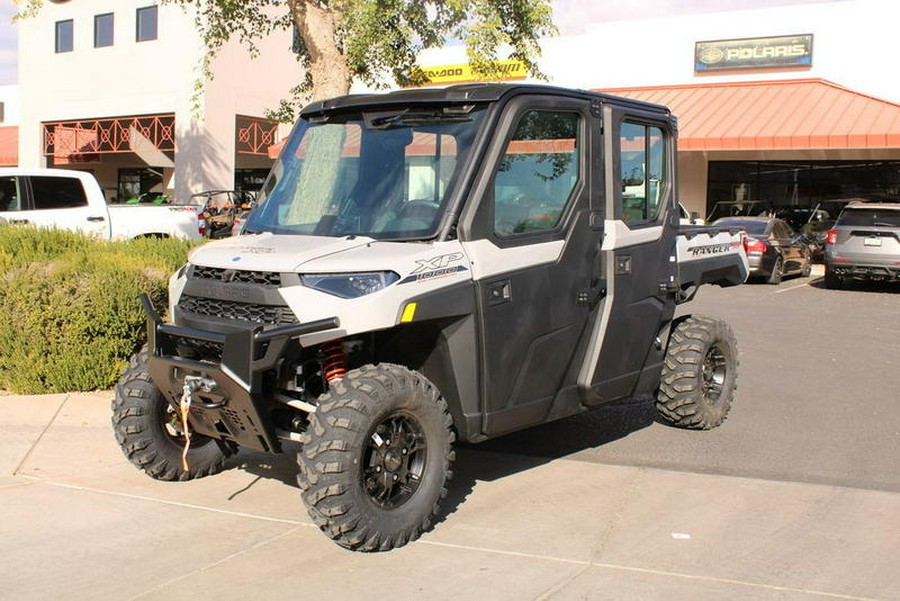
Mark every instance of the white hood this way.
pixel 269 252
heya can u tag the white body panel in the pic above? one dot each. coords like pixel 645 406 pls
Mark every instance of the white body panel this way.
pixel 422 266
pixel 489 260
pixel 710 244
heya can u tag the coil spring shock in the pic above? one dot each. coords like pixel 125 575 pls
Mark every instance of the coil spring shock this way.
pixel 334 362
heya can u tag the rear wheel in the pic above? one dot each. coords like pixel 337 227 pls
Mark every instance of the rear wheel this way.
pixel 777 272
pixel 699 374
pixel 149 431
pixel 376 458
pixel 807 268
pixel 832 281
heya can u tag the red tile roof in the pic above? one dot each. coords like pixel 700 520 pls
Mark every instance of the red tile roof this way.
pixel 9 146
pixel 771 115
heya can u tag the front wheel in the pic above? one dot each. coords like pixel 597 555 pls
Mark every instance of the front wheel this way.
pixel 699 374
pixel 149 431
pixel 376 458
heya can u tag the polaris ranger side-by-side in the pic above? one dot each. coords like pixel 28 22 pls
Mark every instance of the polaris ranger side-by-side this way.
pixel 426 266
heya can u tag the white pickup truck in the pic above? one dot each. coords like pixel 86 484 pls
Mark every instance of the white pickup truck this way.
pixel 73 200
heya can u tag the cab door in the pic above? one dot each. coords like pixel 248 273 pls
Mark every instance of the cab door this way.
pixel 625 351
pixel 531 248
pixel 61 202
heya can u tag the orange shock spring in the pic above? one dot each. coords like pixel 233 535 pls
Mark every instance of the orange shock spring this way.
pixel 334 363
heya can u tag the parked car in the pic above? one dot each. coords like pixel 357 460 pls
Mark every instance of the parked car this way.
pixel 864 244
pixel 813 223
pixel 740 208
pixel 73 200
pixel 773 248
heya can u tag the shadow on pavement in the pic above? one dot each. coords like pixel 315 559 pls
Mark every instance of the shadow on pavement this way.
pixel 491 460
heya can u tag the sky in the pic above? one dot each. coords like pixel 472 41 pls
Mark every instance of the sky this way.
pixel 570 17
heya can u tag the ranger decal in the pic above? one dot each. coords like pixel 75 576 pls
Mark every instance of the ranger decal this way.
pixel 713 249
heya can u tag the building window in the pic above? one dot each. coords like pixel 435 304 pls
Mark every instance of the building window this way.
pixel 147 23
pixel 103 30
pixel 138 184
pixel 65 36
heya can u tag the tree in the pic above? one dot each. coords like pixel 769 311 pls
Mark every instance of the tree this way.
pixel 376 41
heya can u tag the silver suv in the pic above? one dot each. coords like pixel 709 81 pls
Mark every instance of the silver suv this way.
pixel 864 244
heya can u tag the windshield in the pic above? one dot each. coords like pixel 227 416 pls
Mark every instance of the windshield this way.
pixel 386 175
pixel 870 217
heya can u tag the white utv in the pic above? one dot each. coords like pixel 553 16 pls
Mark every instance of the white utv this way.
pixel 429 266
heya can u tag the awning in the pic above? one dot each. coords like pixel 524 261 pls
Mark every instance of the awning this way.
pixel 774 115
pixel 9 146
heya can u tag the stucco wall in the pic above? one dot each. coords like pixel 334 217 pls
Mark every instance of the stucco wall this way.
pixel 158 76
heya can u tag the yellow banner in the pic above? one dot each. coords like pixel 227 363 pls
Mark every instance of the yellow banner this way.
pixel 506 70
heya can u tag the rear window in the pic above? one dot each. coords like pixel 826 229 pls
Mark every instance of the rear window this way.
pixel 57 192
pixel 870 217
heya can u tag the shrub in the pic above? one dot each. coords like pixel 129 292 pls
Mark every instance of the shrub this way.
pixel 73 316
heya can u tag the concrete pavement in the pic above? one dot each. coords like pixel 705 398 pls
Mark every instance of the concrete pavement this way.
pixel 77 521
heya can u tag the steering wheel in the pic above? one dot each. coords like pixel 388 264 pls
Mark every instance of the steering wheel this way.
pixel 420 210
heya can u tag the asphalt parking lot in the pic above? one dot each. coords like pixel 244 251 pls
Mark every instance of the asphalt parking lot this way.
pixel 818 397
pixel 794 497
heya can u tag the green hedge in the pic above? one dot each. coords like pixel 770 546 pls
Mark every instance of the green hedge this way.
pixel 70 304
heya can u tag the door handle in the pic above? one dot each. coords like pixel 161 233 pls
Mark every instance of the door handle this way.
pixel 499 293
pixel 96 218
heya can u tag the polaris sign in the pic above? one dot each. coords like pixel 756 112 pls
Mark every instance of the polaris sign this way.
pixel 754 53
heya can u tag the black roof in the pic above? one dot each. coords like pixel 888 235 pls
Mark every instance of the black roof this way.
pixel 462 94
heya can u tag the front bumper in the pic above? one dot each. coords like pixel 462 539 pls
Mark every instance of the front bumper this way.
pixel 235 408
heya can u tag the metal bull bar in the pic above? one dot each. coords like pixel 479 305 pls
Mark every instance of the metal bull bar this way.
pixel 231 405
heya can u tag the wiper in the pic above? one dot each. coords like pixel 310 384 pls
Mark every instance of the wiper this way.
pixel 402 118
pixel 381 120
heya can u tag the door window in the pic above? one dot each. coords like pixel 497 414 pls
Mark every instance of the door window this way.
pixel 537 173
pixel 642 171
pixel 10 198
pixel 57 192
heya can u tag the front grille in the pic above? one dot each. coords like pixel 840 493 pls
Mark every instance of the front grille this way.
pixel 192 347
pixel 275 315
pixel 263 278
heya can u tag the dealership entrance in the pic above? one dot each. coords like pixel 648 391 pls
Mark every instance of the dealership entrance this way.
pixel 801 183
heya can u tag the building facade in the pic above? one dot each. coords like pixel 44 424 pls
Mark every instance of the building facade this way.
pixel 109 86
pixel 792 103
pixel 806 112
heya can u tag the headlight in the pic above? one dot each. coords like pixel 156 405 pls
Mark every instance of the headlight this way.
pixel 350 285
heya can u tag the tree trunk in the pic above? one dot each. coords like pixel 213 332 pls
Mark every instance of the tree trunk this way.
pixel 318 27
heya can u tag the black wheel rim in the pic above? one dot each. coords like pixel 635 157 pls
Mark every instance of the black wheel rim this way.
pixel 394 461
pixel 713 374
